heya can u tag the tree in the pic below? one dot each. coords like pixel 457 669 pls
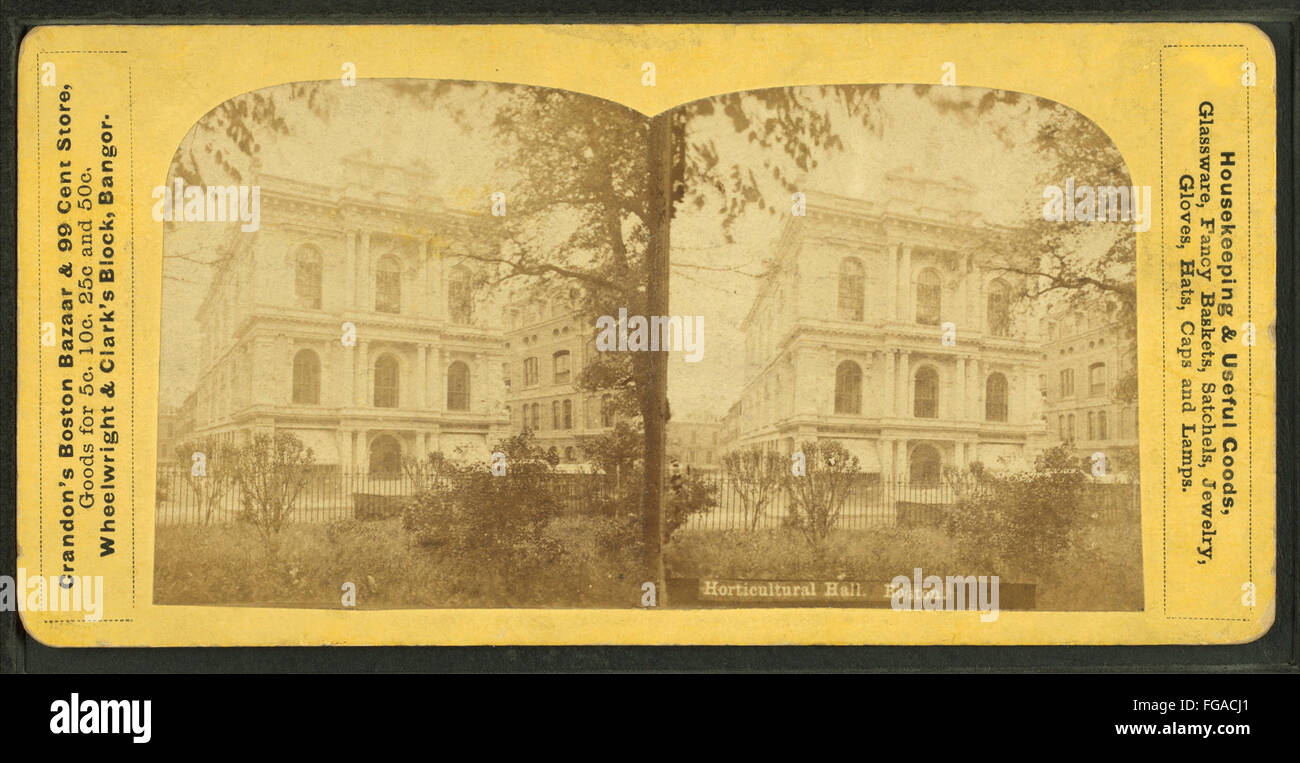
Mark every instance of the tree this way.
pixel 1089 265
pixel 618 452
pixel 757 476
pixel 210 476
pixel 272 470
pixel 817 497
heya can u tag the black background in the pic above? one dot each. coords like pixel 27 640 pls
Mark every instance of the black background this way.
pixel 911 706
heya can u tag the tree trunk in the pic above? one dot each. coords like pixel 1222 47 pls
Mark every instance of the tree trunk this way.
pixel 655 402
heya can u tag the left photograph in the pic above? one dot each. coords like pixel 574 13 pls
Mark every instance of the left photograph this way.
pixel 379 382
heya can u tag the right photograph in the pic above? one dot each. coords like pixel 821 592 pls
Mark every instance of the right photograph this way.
pixel 917 386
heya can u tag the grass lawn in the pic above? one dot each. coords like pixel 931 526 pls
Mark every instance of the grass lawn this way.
pixel 585 566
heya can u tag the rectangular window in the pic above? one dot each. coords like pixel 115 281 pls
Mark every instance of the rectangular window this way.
pixel 1067 383
pixel 530 372
pixel 1097 379
pixel 561 360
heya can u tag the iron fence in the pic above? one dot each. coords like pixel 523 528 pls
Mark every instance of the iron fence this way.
pixel 871 502
pixel 330 495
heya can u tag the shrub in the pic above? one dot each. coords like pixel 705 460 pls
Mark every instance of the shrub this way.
pixel 756 474
pixel 271 471
pixel 491 523
pixel 817 497
pixel 1021 519
pixel 691 494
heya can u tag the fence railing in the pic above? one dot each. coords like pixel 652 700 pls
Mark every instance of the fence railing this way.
pixel 872 502
pixel 330 495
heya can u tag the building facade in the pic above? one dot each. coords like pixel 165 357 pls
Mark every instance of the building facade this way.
pixel 1089 385
pixel 694 443
pixel 887 327
pixel 549 341
pixel 350 319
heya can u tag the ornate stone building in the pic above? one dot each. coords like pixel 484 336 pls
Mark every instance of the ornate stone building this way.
pixel 349 320
pixel 886 327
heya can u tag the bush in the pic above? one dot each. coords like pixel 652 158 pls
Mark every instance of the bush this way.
pixel 817 496
pixel 1018 520
pixel 691 495
pixel 491 523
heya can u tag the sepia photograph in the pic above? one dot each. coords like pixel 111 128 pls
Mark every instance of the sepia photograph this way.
pixel 385 382
pixel 914 375
pixel 410 348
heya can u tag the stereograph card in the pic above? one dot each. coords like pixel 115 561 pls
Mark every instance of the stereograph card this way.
pixel 663 334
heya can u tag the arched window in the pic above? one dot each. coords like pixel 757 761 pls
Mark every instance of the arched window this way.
pixel 385 456
pixel 567 413
pixel 853 281
pixel 388 285
pixel 307 278
pixel 306 377
pixel 1069 427
pixel 929 297
pixel 999 308
pixel 848 388
pixel 926 405
pixel 924 468
pixel 560 361
pixel 995 397
pixel 458 387
pixel 460 300
pixel 1092 425
pixel 555 414
pixel 1060 427
pixel 1102 433
pixel 568 454
pixel 387 381
pixel 531 417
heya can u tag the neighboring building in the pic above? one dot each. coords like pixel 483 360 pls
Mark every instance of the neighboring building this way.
pixel 694 443
pixel 1090 366
pixel 549 341
pixel 846 340
pixel 374 256
pixel 169 433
